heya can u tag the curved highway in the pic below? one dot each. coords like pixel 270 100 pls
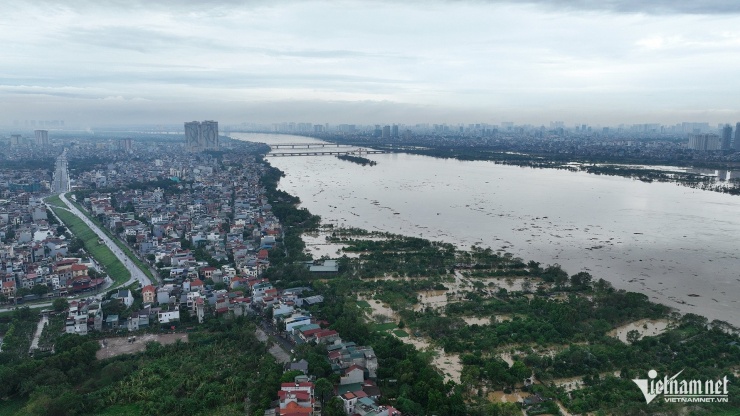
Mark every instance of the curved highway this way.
pixel 61 184
pixel 136 273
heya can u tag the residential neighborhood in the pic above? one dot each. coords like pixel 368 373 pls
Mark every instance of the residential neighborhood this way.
pixel 205 227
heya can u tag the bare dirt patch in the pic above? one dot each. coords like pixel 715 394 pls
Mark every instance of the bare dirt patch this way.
pixel 646 328
pixel 500 396
pixel 472 320
pixel 111 347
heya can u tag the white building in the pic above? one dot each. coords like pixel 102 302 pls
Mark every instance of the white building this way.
pixel 167 316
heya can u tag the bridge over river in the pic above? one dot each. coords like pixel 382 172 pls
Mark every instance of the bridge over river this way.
pixel 352 151
pixel 306 145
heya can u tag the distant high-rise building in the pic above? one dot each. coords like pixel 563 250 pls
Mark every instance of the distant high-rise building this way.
pixel 736 143
pixel 201 136
pixel 42 137
pixel 209 135
pixel 704 142
pixel 346 128
pixel 386 132
pixel 125 144
pixel 695 127
pixel 394 130
pixel 726 137
pixel 192 135
pixel 15 140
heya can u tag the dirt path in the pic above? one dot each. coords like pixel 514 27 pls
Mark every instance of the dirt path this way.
pixel 39 329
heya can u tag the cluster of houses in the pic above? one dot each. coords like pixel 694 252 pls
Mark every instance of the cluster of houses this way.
pixel 356 365
pixel 31 251
pixel 50 268
pixel 165 304
pixel 298 398
pixel 209 205
pixel 224 213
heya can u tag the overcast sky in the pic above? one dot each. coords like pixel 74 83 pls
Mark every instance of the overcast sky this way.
pixel 614 61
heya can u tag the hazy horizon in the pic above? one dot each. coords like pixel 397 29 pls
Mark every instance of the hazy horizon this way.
pixel 466 61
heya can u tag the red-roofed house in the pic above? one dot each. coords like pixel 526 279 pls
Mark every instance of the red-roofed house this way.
pixel 296 399
pixel 196 285
pixel 326 336
pixel 207 272
pixel 9 288
pixel 308 334
pixel 149 294
pixel 350 400
pixel 79 270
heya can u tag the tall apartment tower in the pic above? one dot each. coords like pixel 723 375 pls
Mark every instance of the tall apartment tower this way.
pixel 201 135
pixel 42 137
pixel 737 137
pixel 386 132
pixel 704 142
pixel 192 135
pixel 726 137
pixel 125 145
pixel 209 135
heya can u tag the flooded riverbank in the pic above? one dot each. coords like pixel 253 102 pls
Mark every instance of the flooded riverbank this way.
pixel 675 244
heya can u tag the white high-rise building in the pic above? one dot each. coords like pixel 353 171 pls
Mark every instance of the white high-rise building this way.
pixel 42 137
pixel 209 135
pixel 201 135
pixel 192 135
pixel 704 142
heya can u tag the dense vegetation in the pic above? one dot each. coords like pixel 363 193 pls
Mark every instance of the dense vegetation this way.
pixel 223 369
pixel 357 159
pixel 570 315
pixel 557 326
pixel 397 361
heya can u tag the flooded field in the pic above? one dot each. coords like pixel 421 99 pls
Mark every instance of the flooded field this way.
pixel 448 364
pixel 575 383
pixel 500 396
pixel 434 299
pixel 470 320
pixel 318 246
pixel 646 328
pixel 639 236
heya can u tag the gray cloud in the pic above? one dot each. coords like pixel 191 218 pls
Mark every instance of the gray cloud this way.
pixel 224 7
pixel 360 61
pixel 149 40
pixel 128 38
pixel 636 6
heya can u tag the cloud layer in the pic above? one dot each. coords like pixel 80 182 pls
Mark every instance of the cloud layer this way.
pixel 369 62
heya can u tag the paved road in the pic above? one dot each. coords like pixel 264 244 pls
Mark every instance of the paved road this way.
pixel 280 354
pixel 60 182
pixel 136 273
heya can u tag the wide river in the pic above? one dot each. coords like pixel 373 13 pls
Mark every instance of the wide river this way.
pixel 678 245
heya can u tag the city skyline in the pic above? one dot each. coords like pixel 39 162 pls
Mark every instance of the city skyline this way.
pixel 369 62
